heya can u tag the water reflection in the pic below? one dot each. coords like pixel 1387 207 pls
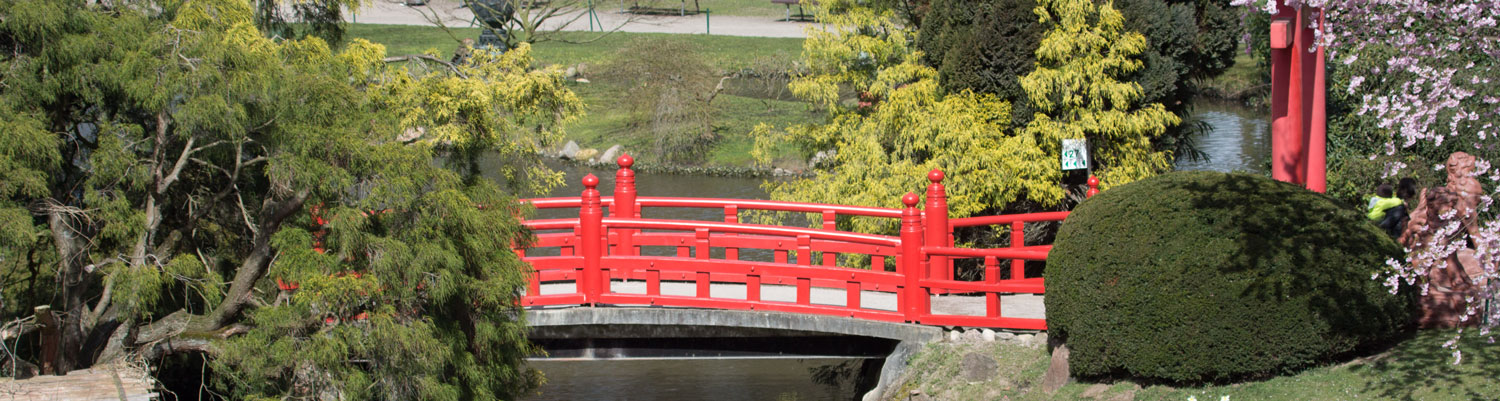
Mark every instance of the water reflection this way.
pixel 1239 140
pixel 748 379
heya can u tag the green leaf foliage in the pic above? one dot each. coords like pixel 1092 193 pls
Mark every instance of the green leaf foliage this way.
pixel 1195 277
pixel 902 123
pixel 309 214
pixel 885 149
pixel 985 46
pixel 1077 91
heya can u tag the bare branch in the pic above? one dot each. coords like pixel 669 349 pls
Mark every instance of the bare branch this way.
pixel 255 265
pixel 104 298
pixel 176 345
pixel 182 160
pixel 414 57
pixel 18 327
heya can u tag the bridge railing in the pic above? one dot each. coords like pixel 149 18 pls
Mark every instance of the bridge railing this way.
pixel 593 251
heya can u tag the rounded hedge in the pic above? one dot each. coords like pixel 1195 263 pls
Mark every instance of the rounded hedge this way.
pixel 1209 277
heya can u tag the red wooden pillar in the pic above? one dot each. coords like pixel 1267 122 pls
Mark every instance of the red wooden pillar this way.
pixel 914 297
pixel 1317 140
pixel 1093 187
pixel 590 242
pixel 1298 120
pixel 624 206
pixel 936 219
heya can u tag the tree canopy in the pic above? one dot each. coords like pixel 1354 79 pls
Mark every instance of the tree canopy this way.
pixel 308 215
pixel 904 124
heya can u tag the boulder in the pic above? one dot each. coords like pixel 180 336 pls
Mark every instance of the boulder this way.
pixel 1057 371
pixel 822 157
pixel 586 154
pixel 611 154
pixel 569 151
pixel 1095 391
pixel 979 367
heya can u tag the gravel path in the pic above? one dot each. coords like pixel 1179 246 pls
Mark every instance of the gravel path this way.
pixel 1020 305
pixel 448 12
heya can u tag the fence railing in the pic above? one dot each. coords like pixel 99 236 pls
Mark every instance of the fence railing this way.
pixel 592 251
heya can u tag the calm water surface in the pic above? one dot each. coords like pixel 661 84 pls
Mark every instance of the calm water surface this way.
pixel 1240 139
pixel 740 379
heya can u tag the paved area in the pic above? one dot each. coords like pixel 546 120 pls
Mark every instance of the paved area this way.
pixel 1019 305
pixel 450 13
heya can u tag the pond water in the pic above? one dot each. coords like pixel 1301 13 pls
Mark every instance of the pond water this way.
pixel 1239 138
pixel 726 379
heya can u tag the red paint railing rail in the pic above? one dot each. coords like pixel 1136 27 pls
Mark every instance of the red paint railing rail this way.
pixel 595 252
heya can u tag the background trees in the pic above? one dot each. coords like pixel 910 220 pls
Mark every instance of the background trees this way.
pixel 987 45
pixel 310 218
pixel 904 123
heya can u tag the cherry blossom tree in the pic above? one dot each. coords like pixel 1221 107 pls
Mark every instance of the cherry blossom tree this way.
pixel 1420 76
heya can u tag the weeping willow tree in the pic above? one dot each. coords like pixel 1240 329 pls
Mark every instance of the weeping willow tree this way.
pixel 308 217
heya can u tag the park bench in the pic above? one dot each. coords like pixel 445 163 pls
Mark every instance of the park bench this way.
pixel 800 15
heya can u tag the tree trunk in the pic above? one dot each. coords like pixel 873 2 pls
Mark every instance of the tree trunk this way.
pixel 75 285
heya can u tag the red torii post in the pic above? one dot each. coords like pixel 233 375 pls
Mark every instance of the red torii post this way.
pixel 1299 124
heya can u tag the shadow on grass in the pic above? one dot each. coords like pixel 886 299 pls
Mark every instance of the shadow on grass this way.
pixel 1421 369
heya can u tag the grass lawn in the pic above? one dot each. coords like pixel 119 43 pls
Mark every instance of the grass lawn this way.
pixel 725 52
pixel 606 120
pixel 1242 81
pixel 1417 369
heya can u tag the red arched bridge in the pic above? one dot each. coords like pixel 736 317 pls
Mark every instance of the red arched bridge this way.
pixel 602 257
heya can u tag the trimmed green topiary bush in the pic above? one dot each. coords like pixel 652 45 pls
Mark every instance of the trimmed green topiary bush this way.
pixel 1209 277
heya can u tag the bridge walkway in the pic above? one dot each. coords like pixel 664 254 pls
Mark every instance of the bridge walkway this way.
pixel 1026 306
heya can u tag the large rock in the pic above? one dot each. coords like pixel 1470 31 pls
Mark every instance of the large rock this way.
pixel 586 154
pixel 1057 371
pixel 979 367
pixel 821 157
pixel 610 154
pixel 569 150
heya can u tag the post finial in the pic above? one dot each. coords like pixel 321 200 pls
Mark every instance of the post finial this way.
pixel 910 199
pixel 1093 187
pixel 935 176
pixel 590 181
pixel 625 161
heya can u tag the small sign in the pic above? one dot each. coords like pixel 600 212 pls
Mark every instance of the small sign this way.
pixel 1075 154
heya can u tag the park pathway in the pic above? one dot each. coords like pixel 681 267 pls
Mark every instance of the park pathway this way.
pixel 450 14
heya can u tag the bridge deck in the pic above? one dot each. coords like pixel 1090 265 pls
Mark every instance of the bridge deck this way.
pixel 1019 305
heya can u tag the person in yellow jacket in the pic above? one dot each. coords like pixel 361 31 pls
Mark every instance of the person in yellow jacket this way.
pixel 1389 210
pixel 1383 200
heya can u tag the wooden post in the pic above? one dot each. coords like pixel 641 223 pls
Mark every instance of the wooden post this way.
pixel 936 219
pixel 590 219
pixel 51 334
pixel 624 206
pixel 912 261
pixel 1093 187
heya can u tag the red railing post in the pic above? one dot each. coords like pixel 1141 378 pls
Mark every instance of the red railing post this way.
pixel 1093 187
pixel 590 219
pixel 937 224
pixel 731 215
pixel 624 205
pixel 1017 240
pixel 912 261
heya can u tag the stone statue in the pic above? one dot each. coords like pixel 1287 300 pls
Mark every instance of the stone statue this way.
pixel 495 15
pixel 1457 275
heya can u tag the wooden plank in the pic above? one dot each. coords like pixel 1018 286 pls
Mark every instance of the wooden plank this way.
pixel 101 383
